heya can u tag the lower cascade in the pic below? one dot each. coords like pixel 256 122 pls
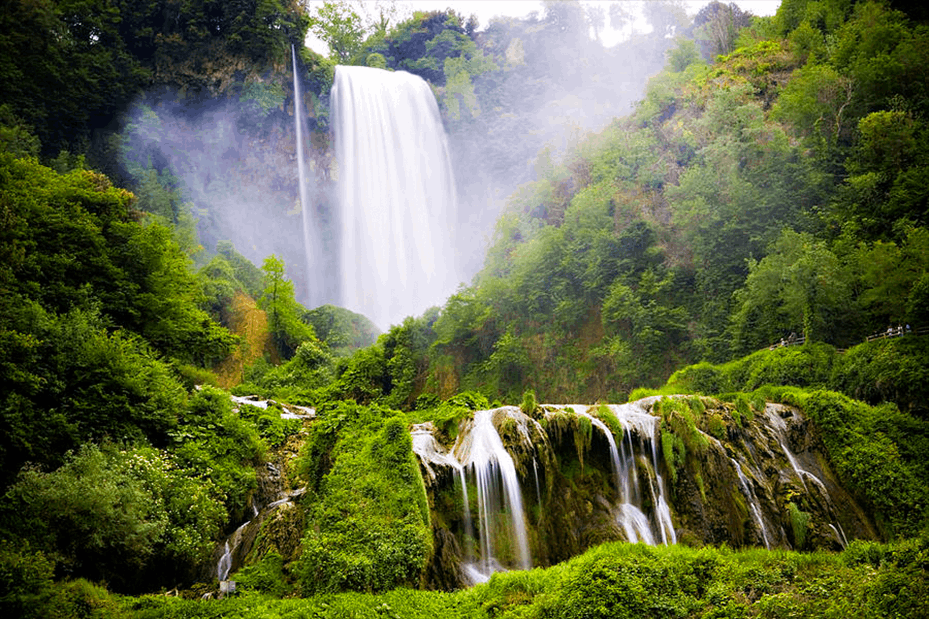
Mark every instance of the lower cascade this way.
pixel 517 491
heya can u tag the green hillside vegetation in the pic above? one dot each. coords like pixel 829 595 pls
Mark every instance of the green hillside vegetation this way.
pixel 613 580
pixel 769 187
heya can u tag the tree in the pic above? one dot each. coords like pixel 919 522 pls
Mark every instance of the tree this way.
pixel 284 313
pixel 340 27
pixel 801 287
pixel 716 28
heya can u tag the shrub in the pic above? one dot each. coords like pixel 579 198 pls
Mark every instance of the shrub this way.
pixel 124 516
pixel 529 405
pixel 369 529
pixel 214 442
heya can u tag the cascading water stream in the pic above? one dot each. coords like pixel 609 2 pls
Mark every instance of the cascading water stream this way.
pixel 483 455
pixel 496 451
pixel 397 199
pixel 614 452
pixel 225 561
pixel 634 419
pixel 749 494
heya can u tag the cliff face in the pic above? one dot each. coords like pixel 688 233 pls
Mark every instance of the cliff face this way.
pixel 221 129
pixel 641 472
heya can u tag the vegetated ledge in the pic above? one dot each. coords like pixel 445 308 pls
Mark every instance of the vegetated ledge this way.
pixel 737 470
pixel 681 469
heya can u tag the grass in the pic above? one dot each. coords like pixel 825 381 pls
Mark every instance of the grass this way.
pixel 629 580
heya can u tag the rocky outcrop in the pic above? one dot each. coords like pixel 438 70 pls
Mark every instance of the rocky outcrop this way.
pixel 661 470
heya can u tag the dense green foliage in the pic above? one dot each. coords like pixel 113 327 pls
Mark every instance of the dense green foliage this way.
pixel 342 330
pixel 772 192
pixel 120 516
pixel 368 528
pixel 621 580
pixel 94 303
pixel 70 67
pixel 886 370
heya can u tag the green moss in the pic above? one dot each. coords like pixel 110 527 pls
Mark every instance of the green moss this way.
pixel 674 452
pixel 642 392
pixel 369 528
pixel 529 405
pixel 745 408
pixel 604 414
pixel 680 416
pixel 716 426
pixel 583 433
pixel 799 525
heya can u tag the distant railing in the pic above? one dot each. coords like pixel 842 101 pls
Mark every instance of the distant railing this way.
pixel 792 340
pixel 898 331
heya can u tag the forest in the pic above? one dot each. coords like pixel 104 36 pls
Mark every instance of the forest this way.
pixel 721 216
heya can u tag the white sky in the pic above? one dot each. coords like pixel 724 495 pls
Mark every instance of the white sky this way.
pixel 487 9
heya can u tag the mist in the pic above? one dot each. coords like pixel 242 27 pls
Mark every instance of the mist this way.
pixel 235 158
pixel 559 83
pixel 236 166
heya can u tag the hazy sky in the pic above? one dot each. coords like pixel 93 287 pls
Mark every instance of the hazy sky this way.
pixel 487 9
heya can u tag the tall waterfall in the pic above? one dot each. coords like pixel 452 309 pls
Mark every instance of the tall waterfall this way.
pixel 397 204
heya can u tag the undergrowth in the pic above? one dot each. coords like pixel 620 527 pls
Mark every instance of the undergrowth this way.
pixel 620 580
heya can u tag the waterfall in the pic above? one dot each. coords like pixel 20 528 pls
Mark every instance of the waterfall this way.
pixel 620 492
pixel 311 235
pixel 397 204
pixel 749 495
pixel 482 454
pixel 614 452
pixel 636 420
pixel 224 565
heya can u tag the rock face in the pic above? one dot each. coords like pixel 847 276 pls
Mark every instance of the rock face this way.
pixel 515 490
pixel 277 516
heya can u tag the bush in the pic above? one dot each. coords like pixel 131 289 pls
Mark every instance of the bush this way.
pixel 66 380
pixel 26 586
pixel 213 442
pixel 266 576
pixel 129 517
pixel 369 529
pixel 529 405
pixel 893 370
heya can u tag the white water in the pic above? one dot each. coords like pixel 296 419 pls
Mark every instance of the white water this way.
pixel 397 204
pixel 778 426
pixel 614 452
pixel 225 562
pixel 635 524
pixel 635 419
pixel 777 423
pixel 429 451
pixel 311 235
pixel 749 494
pixel 482 454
